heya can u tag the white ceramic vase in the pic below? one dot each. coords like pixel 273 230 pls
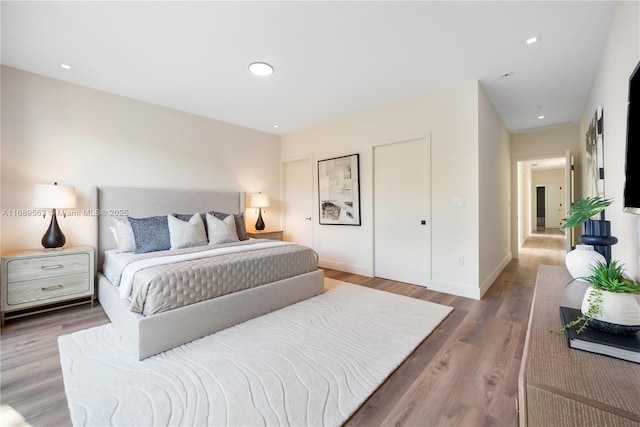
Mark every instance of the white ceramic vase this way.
pixel 580 260
pixel 617 308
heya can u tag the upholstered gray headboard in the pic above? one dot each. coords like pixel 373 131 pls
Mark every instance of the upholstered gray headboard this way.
pixel 110 202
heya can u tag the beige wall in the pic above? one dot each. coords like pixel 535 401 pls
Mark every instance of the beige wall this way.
pixel 545 143
pixel 56 131
pixel 450 118
pixel 610 90
pixel 494 186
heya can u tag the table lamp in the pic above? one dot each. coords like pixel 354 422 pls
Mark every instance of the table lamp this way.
pixel 53 197
pixel 259 201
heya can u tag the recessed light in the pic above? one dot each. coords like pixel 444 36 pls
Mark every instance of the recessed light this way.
pixel 540 117
pixel 65 66
pixel 534 39
pixel 260 69
pixel 276 126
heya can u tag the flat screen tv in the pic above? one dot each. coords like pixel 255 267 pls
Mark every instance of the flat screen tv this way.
pixel 632 166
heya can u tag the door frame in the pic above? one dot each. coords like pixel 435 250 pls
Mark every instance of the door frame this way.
pixel 518 216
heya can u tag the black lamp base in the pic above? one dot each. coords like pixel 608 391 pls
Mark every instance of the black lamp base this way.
pixel 598 234
pixel 53 238
pixel 260 221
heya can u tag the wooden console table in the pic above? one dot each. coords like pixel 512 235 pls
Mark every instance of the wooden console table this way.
pixel 561 386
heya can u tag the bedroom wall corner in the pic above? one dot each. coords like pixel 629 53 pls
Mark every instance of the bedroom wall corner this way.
pixel 494 188
pixel 450 118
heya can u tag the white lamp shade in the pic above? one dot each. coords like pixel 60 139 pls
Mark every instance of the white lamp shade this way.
pixel 259 201
pixel 54 196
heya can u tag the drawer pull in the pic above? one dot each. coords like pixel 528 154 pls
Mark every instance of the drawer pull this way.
pixel 52 288
pixel 52 267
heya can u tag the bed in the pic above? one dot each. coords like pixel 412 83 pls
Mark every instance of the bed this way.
pixel 152 333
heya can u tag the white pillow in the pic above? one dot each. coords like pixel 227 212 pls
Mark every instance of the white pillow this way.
pixel 185 234
pixel 125 240
pixel 221 231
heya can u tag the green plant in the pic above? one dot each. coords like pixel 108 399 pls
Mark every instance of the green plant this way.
pixel 604 277
pixel 584 209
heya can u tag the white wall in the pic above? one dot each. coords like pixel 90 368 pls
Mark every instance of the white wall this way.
pixel 610 90
pixel 56 131
pixel 524 219
pixel 494 192
pixel 450 117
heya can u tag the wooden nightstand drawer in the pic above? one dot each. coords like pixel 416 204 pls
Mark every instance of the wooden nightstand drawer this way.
pixel 36 268
pixel 37 280
pixel 266 234
pixel 46 288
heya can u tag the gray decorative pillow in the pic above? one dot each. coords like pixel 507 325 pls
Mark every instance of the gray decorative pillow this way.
pixel 151 234
pixel 185 234
pixel 241 229
pixel 221 231
pixel 125 240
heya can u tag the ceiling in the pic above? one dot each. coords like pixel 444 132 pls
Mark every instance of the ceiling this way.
pixel 331 59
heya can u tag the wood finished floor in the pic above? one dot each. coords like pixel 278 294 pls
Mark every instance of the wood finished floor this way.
pixel 463 374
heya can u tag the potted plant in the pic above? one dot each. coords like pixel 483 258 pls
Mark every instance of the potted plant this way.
pixel 597 233
pixel 608 304
pixel 585 209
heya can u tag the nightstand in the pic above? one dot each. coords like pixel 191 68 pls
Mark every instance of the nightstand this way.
pixel 38 280
pixel 266 234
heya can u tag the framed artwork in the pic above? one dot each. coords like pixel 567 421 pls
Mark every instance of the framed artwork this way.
pixel 339 190
pixel 595 155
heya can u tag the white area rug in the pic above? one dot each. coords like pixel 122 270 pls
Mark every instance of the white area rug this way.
pixel 312 363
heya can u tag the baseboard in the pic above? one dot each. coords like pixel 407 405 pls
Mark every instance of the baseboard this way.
pixel 454 289
pixel 484 287
pixel 347 268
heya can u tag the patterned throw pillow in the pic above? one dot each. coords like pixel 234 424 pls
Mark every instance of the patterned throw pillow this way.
pixel 151 234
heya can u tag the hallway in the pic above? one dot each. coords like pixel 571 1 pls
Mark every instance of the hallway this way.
pixel 544 246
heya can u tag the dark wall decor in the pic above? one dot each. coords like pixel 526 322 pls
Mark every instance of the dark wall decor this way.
pixel 597 232
pixel 595 155
pixel 339 190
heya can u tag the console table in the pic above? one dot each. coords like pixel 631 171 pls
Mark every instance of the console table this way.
pixel 561 386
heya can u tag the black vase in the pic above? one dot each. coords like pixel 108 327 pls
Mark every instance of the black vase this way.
pixel 598 234
pixel 260 221
pixel 53 238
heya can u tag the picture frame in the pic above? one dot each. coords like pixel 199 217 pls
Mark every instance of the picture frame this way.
pixel 339 190
pixel 595 155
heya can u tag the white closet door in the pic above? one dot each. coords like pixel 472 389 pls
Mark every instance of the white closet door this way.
pixel 298 202
pixel 402 211
pixel 553 206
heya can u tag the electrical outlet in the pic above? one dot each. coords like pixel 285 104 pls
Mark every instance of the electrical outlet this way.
pixel 460 260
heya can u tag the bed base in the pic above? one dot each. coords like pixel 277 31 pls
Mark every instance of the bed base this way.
pixel 147 336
